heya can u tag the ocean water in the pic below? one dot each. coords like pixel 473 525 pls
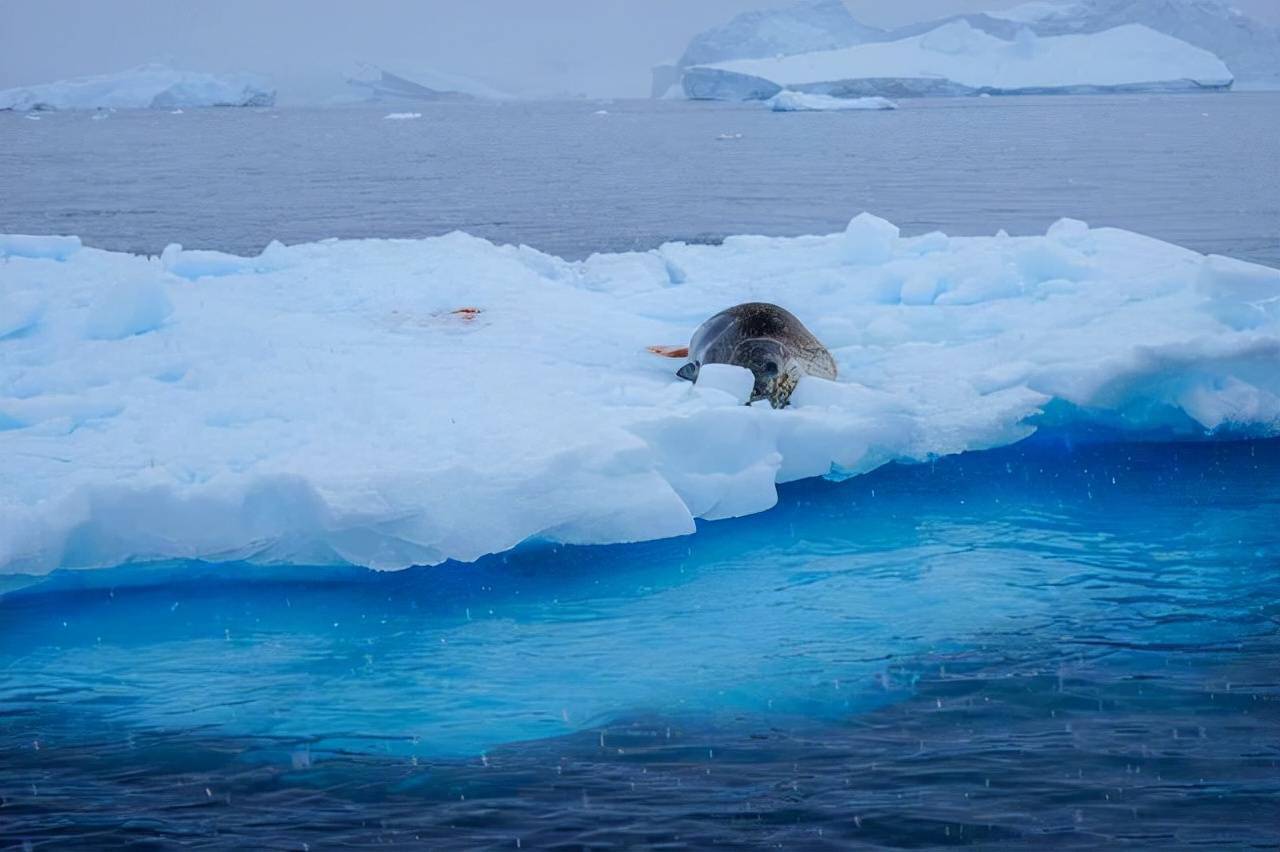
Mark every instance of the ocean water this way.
pixel 1196 170
pixel 1068 642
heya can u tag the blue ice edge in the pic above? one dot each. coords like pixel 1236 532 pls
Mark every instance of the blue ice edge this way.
pixel 1060 425
pixel 826 607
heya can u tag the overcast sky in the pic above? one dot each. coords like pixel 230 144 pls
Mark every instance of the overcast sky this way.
pixel 598 47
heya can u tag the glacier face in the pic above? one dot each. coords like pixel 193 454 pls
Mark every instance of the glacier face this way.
pixel 154 86
pixel 392 402
pixel 1250 49
pixel 958 58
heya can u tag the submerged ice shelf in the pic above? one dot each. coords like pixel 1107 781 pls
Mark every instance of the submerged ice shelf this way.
pixel 397 402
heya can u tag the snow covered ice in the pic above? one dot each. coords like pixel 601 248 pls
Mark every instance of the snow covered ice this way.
pixel 395 402
pixel 154 86
pixel 1249 48
pixel 959 59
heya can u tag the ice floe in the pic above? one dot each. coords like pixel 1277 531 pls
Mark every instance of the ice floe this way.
pixel 801 102
pixel 392 402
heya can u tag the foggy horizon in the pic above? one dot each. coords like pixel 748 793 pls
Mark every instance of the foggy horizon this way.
pixel 307 48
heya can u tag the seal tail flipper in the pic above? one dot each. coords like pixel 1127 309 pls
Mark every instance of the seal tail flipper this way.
pixel 670 351
pixel 689 372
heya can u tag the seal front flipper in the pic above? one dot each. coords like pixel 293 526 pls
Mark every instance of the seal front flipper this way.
pixel 689 372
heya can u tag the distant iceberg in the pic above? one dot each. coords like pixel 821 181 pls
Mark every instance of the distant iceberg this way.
pixel 959 59
pixel 398 402
pixel 420 84
pixel 1249 48
pixel 154 86
pixel 801 102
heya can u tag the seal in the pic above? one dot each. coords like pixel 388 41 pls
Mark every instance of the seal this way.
pixel 767 340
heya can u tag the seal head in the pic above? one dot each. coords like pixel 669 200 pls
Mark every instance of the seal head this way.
pixel 765 339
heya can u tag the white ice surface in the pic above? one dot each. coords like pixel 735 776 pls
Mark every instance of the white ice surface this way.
pixel 328 403
pixel 801 102
pixel 154 86
pixel 1250 48
pixel 1125 56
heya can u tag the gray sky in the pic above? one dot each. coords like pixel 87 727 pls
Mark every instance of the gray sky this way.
pixel 599 47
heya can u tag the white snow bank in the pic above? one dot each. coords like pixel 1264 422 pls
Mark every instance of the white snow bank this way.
pixel 801 102
pixel 152 86
pixel 387 402
pixel 959 59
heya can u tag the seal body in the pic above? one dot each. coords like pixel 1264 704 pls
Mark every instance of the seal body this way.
pixel 767 340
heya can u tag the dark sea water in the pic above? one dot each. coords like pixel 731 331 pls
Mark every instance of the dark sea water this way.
pixel 1196 170
pixel 1071 642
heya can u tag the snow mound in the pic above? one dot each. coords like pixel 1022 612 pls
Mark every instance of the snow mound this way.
pixel 392 402
pixel 152 86
pixel 801 102
pixel 958 59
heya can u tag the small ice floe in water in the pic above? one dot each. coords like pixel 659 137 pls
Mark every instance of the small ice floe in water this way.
pixel 788 101
pixel 402 116
pixel 724 137
pixel 30 117
pixel 176 112
pixel 100 116
pixel 601 112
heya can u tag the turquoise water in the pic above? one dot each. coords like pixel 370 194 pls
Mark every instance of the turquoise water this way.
pixel 1076 642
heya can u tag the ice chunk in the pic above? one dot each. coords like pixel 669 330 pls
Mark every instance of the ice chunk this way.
pixel 801 102
pixel 402 116
pixel 1070 232
pixel 53 248
pixel 130 307
pixel 869 239
pixel 735 382
pixel 194 264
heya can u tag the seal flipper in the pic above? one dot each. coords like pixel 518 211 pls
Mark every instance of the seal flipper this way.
pixel 689 372
pixel 670 351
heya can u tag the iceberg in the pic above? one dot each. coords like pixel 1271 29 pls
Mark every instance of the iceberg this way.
pixel 420 84
pixel 801 102
pixel 1250 49
pixel 386 403
pixel 154 86
pixel 959 59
